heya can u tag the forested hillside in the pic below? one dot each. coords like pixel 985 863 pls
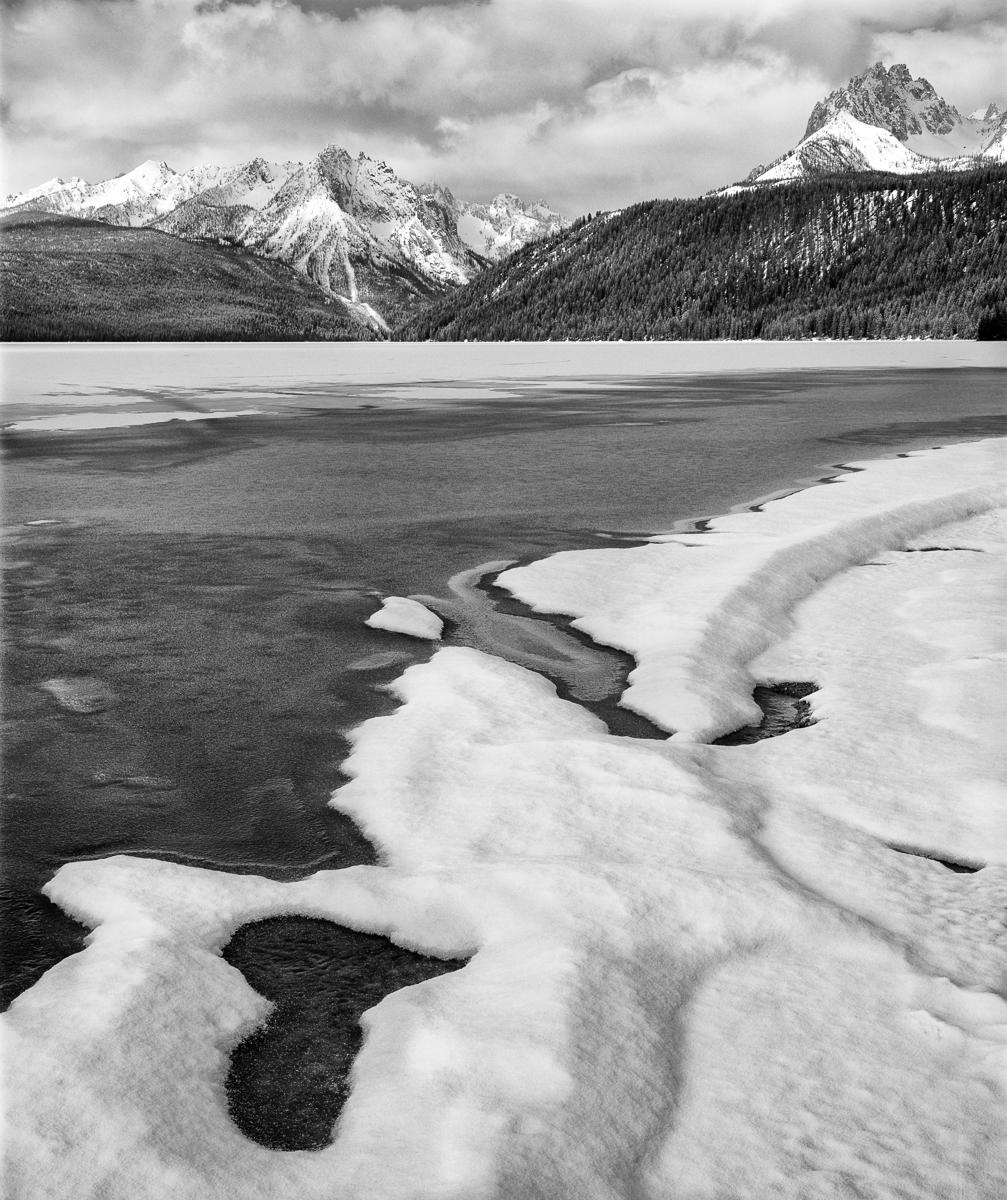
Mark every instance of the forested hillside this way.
pixel 66 279
pixel 876 256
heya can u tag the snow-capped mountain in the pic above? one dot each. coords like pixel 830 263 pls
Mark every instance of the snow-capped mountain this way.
pixel 366 237
pixel 845 144
pixel 996 149
pixel 885 120
pixel 135 198
pixel 504 225
pixel 890 99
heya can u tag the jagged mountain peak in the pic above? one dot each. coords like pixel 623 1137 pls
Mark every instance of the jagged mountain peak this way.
pixel 336 154
pixel 889 98
pixel 437 192
pixel 884 119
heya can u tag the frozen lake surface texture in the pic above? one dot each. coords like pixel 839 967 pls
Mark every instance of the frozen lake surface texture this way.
pixel 556 771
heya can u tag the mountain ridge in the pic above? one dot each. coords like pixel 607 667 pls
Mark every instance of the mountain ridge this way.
pixel 66 278
pixel 376 243
pixel 391 254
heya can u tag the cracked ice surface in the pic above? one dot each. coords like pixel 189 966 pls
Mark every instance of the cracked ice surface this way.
pixel 699 972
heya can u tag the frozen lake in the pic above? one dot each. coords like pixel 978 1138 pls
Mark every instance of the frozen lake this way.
pixel 644 949
pixel 369 442
pixel 215 575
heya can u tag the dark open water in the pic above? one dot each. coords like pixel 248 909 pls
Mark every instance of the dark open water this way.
pixel 215 576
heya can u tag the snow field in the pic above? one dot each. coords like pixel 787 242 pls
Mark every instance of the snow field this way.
pixel 699 972
pixel 909 751
pixel 132 1079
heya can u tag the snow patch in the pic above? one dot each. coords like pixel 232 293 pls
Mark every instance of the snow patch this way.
pixel 398 614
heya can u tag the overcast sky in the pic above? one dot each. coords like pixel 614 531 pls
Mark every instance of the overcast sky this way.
pixel 589 104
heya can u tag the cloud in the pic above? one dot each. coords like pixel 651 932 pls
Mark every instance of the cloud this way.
pixel 584 102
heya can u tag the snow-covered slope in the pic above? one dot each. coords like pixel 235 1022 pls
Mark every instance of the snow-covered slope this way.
pixel 996 151
pixel 136 198
pixel 885 120
pixel 351 225
pixel 846 144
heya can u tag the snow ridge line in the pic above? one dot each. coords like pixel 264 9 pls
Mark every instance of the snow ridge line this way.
pixel 753 615
pixel 696 609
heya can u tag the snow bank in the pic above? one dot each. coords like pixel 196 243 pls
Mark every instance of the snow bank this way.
pixel 699 971
pixel 909 750
pixel 398 614
pixel 695 609
pixel 120 1052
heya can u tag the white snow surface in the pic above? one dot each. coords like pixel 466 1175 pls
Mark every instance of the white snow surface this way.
pixel 996 148
pixel 400 614
pixel 700 972
pixel 694 609
pixel 119 420
pixel 846 142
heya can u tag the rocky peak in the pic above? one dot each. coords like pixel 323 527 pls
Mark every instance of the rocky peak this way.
pixel 987 116
pixel 888 99
pixel 439 193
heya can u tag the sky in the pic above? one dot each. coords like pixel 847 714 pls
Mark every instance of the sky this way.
pixel 588 104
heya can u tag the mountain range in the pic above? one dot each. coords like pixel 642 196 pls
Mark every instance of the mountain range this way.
pixel 387 254
pixel 886 220
pixel 885 120
pixel 378 244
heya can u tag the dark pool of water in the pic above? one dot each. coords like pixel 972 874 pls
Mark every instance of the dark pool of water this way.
pixel 289 1079
pixel 784 707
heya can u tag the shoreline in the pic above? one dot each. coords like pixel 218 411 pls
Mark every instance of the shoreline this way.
pixel 311 785
pixel 290 609
pixel 511 824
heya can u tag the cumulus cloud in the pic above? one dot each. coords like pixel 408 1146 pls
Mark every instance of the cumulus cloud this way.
pixel 587 103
